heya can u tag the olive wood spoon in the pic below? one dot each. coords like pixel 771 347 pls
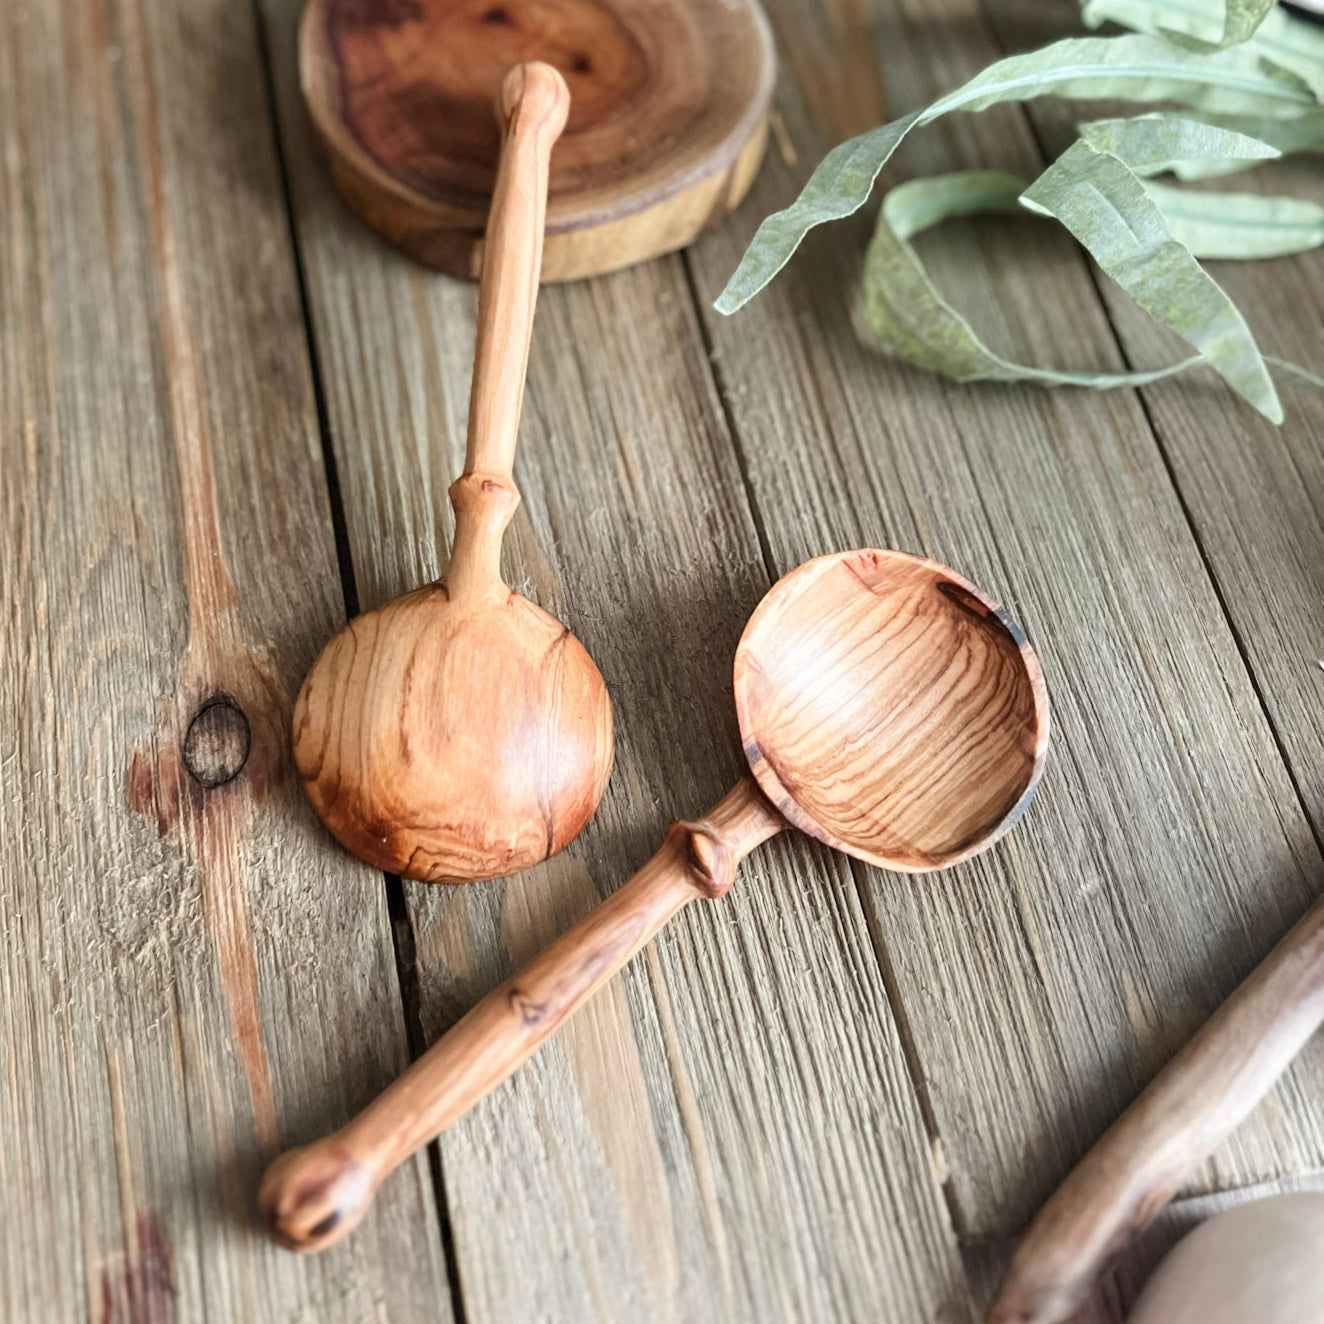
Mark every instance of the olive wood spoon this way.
pixel 460 732
pixel 1118 1188
pixel 886 707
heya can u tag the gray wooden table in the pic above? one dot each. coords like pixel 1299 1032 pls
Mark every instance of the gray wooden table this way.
pixel 228 416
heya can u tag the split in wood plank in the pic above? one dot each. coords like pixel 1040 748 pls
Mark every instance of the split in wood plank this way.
pixel 174 997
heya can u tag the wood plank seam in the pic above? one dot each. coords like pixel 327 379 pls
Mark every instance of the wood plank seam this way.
pixel 713 374
pixel 1026 114
pixel 401 933
pixel 909 1048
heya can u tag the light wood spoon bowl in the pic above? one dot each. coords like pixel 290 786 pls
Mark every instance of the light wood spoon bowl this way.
pixel 887 707
pixel 460 732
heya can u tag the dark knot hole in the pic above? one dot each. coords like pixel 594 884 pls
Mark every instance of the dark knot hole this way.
pixel 217 743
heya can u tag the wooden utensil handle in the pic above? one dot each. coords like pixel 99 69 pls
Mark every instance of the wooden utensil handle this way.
pixel 1191 1105
pixel 313 1196
pixel 533 106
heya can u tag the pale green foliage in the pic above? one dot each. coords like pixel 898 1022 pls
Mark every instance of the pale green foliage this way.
pixel 1284 41
pixel 1151 144
pixel 901 311
pixel 1105 205
pixel 1248 82
pixel 1239 225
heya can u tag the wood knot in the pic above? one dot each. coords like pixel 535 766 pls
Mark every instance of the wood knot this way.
pixel 530 1012
pixel 707 860
pixel 217 743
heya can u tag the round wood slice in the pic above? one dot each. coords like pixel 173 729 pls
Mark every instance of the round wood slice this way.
pixel 668 118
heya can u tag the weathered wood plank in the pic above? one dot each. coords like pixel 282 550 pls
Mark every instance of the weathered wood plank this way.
pixel 1254 492
pixel 1041 987
pixel 189 973
pixel 730 1129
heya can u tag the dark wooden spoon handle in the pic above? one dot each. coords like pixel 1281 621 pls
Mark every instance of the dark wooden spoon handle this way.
pixel 313 1196
pixel 1117 1189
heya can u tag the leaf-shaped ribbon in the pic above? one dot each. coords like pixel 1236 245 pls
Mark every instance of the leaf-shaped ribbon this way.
pixel 1287 42
pixel 1132 67
pixel 1241 18
pixel 1301 133
pixel 1239 225
pixel 902 312
pixel 1150 144
pixel 1210 24
pixel 1105 205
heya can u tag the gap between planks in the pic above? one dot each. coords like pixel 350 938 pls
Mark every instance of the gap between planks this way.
pixel 1034 126
pixel 401 932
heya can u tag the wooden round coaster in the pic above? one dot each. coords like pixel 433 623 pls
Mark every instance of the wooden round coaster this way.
pixel 668 118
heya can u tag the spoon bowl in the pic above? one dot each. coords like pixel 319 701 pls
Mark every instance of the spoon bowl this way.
pixel 890 709
pixel 448 740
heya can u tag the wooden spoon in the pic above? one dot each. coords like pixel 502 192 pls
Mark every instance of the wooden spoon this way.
pixel 1121 1185
pixel 887 708
pixel 460 732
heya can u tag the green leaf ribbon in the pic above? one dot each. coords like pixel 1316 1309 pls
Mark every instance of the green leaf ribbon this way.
pixel 1146 236
pixel 1105 205
pixel 1137 67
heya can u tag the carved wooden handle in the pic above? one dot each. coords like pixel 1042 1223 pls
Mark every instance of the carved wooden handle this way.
pixel 533 105
pixel 313 1196
pixel 1117 1189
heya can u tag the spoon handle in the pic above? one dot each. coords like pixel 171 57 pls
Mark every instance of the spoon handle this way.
pixel 1116 1190
pixel 313 1196
pixel 532 106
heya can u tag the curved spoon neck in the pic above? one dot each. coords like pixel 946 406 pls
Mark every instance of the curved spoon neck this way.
pixel 713 846
pixel 484 503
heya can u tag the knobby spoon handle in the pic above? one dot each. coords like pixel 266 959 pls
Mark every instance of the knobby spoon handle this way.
pixel 533 105
pixel 1117 1189
pixel 313 1196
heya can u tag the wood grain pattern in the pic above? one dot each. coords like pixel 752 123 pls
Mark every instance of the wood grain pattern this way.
pixel 1042 986
pixel 1253 493
pixel 460 732
pixel 667 128
pixel 890 709
pixel 714 1088
pixel 886 706
pixel 176 932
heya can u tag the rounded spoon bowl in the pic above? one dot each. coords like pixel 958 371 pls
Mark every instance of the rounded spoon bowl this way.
pixel 890 709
